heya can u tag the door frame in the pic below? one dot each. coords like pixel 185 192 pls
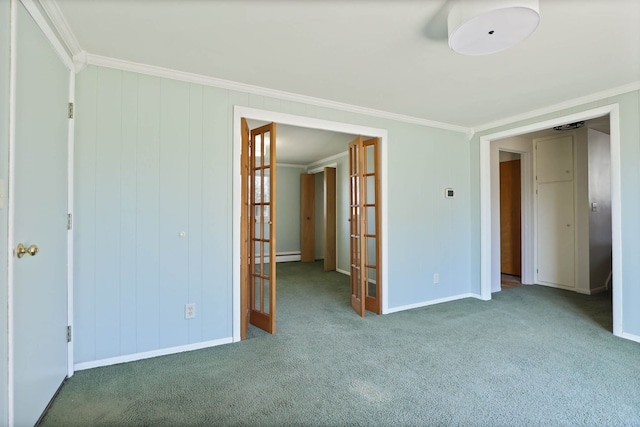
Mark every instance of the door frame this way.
pixel 488 243
pixel 67 61
pixel 312 123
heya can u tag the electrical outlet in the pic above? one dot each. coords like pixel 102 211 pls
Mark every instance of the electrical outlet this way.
pixel 436 278
pixel 189 311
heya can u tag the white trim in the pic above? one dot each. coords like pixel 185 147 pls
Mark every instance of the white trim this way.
pixel 576 102
pixel 153 70
pixel 631 337
pixel 11 211
pixel 345 272
pixel 301 121
pixel 52 10
pixel 80 61
pixel 431 302
pixel 616 219
pixel 328 159
pixel 41 21
pixel 282 257
pixel 616 211
pixel 593 291
pixel 70 233
pixel 321 168
pixel 150 354
pixel 290 165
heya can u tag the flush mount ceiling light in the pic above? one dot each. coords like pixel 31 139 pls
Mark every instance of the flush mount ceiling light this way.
pixel 481 27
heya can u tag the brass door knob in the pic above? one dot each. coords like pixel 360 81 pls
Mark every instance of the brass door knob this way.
pixel 21 250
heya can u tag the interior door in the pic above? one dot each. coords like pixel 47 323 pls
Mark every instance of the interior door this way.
pixel 39 223
pixel 357 226
pixel 307 218
pixel 262 227
pixel 510 218
pixel 371 236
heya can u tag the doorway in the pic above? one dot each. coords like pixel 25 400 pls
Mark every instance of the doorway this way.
pixel 310 123
pixel 490 245
pixel 510 220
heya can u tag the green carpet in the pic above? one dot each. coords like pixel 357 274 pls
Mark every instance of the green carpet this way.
pixel 532 356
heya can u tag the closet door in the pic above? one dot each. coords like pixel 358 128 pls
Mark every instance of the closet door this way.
pixel 555 212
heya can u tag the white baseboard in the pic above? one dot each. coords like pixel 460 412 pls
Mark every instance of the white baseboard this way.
pixel 343 271
pixel 150 354
pixel 630 337
pixel 431 302
pixel 283 257
pixel 594 291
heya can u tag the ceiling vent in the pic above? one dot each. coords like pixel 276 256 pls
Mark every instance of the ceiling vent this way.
pixel 570 126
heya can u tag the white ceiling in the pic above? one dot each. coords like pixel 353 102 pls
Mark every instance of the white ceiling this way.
pixel 386 55
pixel 303 146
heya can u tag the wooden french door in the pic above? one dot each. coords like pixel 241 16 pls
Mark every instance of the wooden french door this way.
pixel 259 222
pixel 364 225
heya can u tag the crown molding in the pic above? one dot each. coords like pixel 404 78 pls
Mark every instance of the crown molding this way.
pixel 152 70
pixel 53 12
pixel 609 93
pixel 41 19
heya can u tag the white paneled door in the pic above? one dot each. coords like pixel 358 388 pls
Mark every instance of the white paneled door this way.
pixel 39 308
pixel 555 211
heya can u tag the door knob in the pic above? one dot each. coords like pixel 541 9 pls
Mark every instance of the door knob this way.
pixel 21 250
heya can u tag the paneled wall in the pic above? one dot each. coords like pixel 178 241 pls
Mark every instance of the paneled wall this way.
pixel 154 160
pixel 153 210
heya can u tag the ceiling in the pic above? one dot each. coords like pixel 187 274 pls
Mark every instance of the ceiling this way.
pixel 391 56
pixel 303 146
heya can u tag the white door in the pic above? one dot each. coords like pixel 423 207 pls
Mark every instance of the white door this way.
pixel 555 211
pixel 40 209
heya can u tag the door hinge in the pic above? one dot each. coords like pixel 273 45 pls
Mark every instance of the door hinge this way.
pixel 70 110
pixel 69 333
pixel 69 221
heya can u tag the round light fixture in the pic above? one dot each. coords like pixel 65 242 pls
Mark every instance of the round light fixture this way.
pixel 481 27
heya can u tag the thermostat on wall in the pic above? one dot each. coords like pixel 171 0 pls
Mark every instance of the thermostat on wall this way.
pixel 449 193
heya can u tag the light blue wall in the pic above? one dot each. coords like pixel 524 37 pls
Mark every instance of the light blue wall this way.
pixel 427 233
pixel 5 29
pixel 288 209
pixel 630 181
pixel 154 158
pixel 152 161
